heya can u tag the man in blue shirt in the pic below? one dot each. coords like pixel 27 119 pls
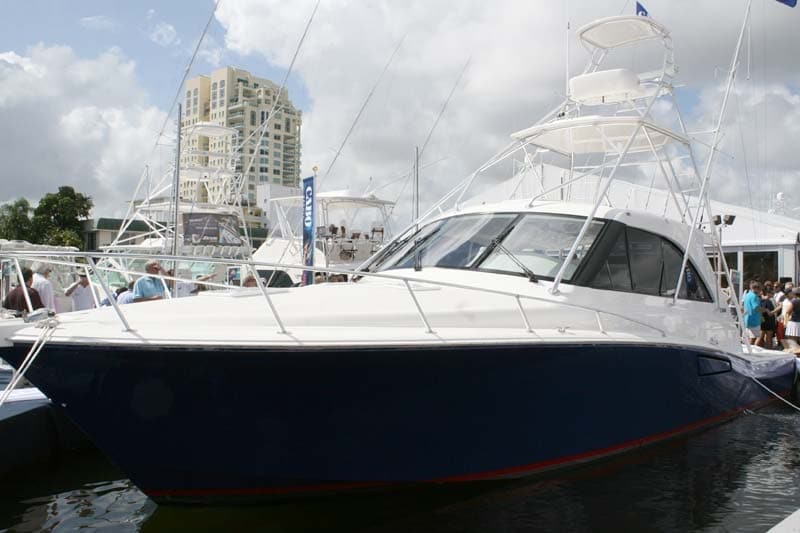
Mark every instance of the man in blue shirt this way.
pixel 752 311
pixel 149 287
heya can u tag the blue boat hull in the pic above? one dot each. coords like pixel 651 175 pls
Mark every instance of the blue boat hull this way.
pixel 189 424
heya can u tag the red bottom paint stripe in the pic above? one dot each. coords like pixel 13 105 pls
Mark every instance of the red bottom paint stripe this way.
pixel 494 474
pixel 601 452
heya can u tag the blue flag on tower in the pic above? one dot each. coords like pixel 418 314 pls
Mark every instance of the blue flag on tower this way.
pixel 790 3
pixel 308 229
pixel 642 12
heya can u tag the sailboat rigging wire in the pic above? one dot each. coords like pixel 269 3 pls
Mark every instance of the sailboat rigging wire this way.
pixel 433 127
pixel 360 112
pixel 405 176
pixel 265 125
pixel 746 166
pixel 444 107
pixel 124 227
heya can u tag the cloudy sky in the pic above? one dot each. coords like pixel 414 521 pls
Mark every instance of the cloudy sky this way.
pixel 85 86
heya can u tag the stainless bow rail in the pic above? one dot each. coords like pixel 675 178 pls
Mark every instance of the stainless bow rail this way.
pixel 91 265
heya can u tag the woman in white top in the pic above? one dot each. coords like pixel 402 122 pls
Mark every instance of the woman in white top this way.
pixel 791 315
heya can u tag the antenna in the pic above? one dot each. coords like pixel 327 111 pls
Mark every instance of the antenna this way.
pixel 566 62
pixel 435 123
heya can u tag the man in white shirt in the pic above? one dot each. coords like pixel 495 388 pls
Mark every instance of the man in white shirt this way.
pixel 81 293
pixel 187 288
pixel 780 294
pixel 43 285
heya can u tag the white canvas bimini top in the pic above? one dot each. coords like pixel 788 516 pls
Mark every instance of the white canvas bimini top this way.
pixel 613 32
pixel 597 134
pixel 202 172
pixel 209 129
pixel 343 199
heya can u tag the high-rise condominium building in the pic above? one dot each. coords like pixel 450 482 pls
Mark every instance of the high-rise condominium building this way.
pixel 236 99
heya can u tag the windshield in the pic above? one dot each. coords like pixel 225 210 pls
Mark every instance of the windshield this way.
pixel 539 241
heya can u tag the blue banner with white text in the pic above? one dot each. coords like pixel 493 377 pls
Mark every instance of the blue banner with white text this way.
pixel 308 229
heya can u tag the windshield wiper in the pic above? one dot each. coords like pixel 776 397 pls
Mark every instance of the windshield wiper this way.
pixel 528 272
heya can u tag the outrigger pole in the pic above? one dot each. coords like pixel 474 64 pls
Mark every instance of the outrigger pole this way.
pixel 709 165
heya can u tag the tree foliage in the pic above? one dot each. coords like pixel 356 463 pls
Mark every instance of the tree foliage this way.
pixel 62 210
pixel 63 237
pixel 57 220
pixel 15 223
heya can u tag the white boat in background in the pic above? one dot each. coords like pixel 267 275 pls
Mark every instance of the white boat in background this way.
pixel 338 244
pixel 62 273
pixel 485 342
pixel 193 211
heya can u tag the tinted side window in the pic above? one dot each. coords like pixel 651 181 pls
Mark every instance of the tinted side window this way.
pixel 696 287
pixel 614 274
pixel 645 263
pixel 673 260
pixel 644 252
pixel 692 287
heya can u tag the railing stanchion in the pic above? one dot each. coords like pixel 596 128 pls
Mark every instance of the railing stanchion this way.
pixel 23 285
pixel 107 290
pixel 524 316
pixel 419 308
pixel 599 322
pixel 263 287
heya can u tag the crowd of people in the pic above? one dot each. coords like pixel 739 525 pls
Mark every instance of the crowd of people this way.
pixel 84 295
pixel 771 313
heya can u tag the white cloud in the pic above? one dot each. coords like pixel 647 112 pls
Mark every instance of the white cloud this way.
pixel 758 154
pixel 164 34
pixel 74 121
pixel 210 51
pixel 98 22
pixel 515 76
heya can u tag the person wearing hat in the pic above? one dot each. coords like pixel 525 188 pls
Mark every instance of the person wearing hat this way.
pixel 41 273
pixel 149 287
pixel 81 293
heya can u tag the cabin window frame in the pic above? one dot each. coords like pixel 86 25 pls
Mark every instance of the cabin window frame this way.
pixel 594 263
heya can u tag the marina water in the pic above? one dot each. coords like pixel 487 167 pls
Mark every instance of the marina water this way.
pixel 739 476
